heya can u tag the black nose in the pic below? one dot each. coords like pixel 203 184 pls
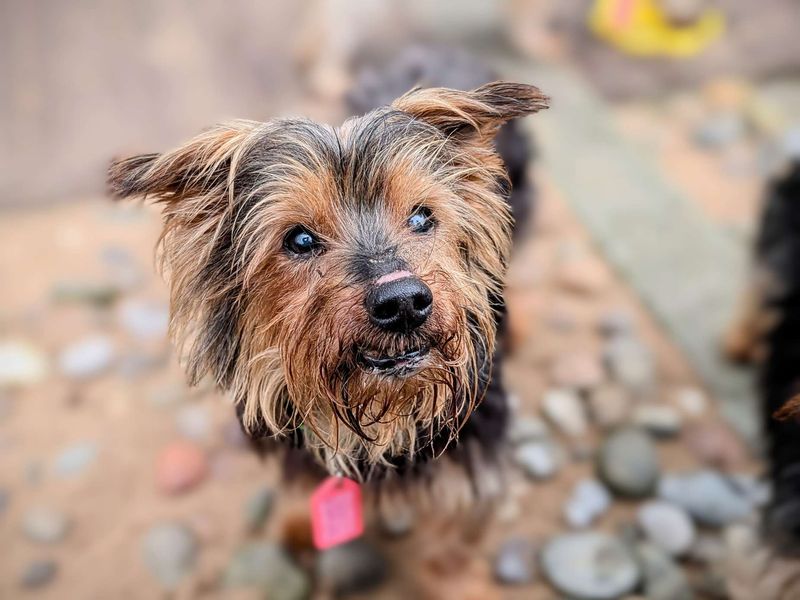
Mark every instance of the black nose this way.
pixel 400 305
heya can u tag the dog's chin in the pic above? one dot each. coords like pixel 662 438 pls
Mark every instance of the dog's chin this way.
pixel 402 365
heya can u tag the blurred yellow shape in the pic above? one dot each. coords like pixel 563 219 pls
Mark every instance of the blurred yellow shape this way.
pixel 641 28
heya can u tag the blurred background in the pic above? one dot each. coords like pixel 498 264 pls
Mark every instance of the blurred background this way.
pixel 632 431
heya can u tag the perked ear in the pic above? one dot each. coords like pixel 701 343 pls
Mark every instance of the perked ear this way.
pixel 480 112
pixel 204 164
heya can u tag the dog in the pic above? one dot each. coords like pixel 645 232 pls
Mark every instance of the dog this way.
pixel 345 285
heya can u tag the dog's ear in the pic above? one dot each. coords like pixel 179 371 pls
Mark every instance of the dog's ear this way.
pixel 205 164
pixel 478 113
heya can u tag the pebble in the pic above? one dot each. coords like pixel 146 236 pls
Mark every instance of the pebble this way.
pixel 181 466
pixel 269 568
pixel 564 409
pixel 757 491
pixel 715 444
pixel 628 463
pixel 661 420
pixel 630 363
pixel 590 499
pixel 590 565
pixel 169 551
pixel 351 568
pixel 87 357
pixel 75 459
pixel 525 429
pixel 515 561
pixel 21 364
pixel 45 525
pixel 38 573
pixel 609 406
pixel 578 371
pixel 99 294
pixel 194 422
pixel 615 322
pixel 707 549
pixel 662 578
pixel 539 460
pixel 144 320
pixel 691 401
pixel 258 508
pixel 667 526
pixel 707 496
pixel 719 130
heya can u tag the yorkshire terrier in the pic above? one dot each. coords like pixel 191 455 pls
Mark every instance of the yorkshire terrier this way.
pixel 345 285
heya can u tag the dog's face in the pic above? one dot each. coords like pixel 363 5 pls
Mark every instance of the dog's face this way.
pixel 341 280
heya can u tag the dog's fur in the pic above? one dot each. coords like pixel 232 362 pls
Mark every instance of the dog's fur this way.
pixel 283 333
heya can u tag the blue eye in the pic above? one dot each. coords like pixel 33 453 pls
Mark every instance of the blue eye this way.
pixel 421 220
pixel 301 241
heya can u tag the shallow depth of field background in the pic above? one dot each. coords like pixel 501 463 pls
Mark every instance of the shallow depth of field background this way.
pixel 116 480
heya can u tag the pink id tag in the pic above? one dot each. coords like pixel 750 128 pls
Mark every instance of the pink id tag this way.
pixel 336 512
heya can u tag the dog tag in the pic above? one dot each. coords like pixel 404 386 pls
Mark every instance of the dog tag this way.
pixel 336 512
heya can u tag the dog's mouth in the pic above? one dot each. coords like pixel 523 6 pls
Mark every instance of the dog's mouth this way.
pixel 401 364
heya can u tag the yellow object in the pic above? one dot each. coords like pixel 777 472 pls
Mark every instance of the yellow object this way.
pixel 641 28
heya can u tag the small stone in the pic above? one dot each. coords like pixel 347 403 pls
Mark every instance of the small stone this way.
pixel 628 463
pixel 99 294
pixel 691 401
pixel 267 567
pixel 707 496
pixel 663 579
pixel 351 568
pixel 515 562
pixel 564 409
pixel 38 573
pixel 707 549
pixel 75 459
pixel 577 371
pixel 715 444
pixel 539 460
pixel 589 500
pixel 144 320
pixel 609 406
pixel 526 429
pixel 194 422
pixel 45 525
pixel 258 508
pixel 630 363
pixel 590 565
pixel 87 358
pixel 615 322
pixel 757 491
pixel 169 551
pixel 180 467
pixel 21 364
pixel 719 130
pixel 661 420
pixel 667 526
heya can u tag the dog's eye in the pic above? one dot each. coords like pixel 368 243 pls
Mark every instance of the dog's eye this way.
pixel 301 241
pixel 421 220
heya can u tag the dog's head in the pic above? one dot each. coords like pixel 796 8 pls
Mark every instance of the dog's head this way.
pixel 341 281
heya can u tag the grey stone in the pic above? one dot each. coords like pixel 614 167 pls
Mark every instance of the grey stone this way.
pixel 266 566
pixel 630 363
pixel 75 459
pixel 144 320
pixel 45 525
pixel 615 322
pixel 719 130
pixel 589 500
pixel 169 551
pixel 757 491
pixel 662 578
pixel 525 429
pixel 662 420
pixel 628 463
pixel 590 565
pixel 707 496
pixel 21 364
pixel 258 508
pixel 564 409
pixel 38 573
pixel 538 460
pixel 194 422
pixel 667 526
pixel 514 563
pixel 87 357
pixel 351 568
